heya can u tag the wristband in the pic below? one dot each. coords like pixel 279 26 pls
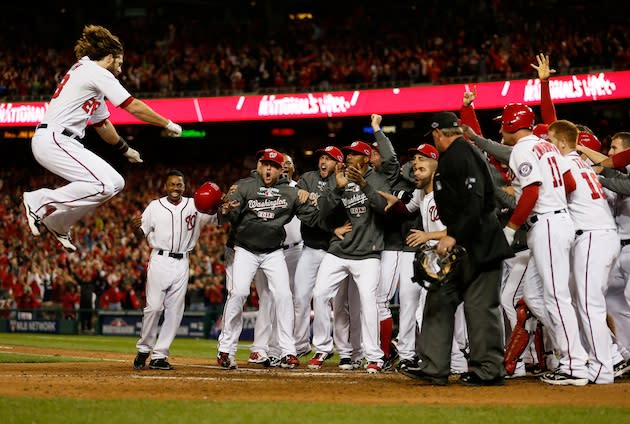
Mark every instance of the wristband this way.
pixel 122 145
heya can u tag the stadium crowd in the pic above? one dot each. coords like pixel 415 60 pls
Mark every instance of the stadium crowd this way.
pixel 110 271
pixel 186 54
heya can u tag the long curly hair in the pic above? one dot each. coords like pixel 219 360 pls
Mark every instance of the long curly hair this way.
pixel 97 42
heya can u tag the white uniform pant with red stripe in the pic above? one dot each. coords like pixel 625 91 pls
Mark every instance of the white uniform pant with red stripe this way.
pixel 594 253
pixel 548 295
pixel 92 180
pixel 332 271
pixel 167 283
pixel 618 296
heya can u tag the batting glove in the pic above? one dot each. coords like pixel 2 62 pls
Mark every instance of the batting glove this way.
pixel 133 156
pixel 173 129
pixel 509 234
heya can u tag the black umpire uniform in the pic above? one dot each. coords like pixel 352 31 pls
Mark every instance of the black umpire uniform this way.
pixel 464 196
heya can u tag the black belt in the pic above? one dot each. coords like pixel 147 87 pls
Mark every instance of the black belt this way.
pixel 171 254
pixel 65 132
pixel 290 245
pixel 625 242
pixel 534 219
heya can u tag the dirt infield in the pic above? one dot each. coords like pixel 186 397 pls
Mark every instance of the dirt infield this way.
pixel 112 377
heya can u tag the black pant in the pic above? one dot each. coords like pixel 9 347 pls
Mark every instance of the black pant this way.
pixel 481 299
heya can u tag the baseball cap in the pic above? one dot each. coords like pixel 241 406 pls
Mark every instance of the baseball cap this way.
pixel 425 150
pixel 359 147
pixel 589 140
pixel 271 155
pixel 375 146
pixel 442 120
pixel 333 152
pixel 541 131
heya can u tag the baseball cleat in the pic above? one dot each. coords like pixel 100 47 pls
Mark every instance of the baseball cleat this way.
pixel 259 358
pixel 274 361
pixel 63 239
pixel 317 361
pixel 160 364
pixel 226 361
pixel 290 362
pixel 373 368
pixel 345 364
pixel 622 368
pixel 558 378
pixel 141 360
pixel 31 218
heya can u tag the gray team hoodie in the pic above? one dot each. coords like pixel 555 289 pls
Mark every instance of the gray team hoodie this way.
pixel 365 209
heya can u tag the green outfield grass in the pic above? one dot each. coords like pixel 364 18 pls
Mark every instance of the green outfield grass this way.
pixel 68 411
pixel 64 411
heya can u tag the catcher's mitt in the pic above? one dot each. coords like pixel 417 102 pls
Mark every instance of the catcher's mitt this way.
pixel 431 270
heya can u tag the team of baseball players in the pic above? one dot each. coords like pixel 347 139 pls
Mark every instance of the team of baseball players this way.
pixel 342 239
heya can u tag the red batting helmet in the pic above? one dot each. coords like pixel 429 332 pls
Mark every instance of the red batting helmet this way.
pixel 208 198
pixel 589 140
pixel 516 116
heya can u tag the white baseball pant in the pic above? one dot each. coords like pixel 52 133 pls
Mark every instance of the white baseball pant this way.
pixel 365 273
pixel 167 283
pixel 92 180
pixel 244 268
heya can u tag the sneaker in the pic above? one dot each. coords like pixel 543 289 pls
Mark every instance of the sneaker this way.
pixel 160 364
pixel 346 364
pixel 274 361
pixel 259 358
pixel 373 368
pixel 561 379
pixel 141 360
pixel 63 239
pixel 356 364
pixel 31 217
pixel 226 361
pixel 404 364
pixel 388 363
pixel 317 361
pixel 621 368
pixel 535 369
pixel 290 362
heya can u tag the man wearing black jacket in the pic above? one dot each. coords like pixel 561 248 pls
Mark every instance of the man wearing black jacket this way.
pixel 464 196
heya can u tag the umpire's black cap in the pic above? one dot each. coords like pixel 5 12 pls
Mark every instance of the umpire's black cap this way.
pixel 443 120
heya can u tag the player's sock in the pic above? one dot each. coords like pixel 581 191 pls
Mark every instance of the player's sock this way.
pixel 387 327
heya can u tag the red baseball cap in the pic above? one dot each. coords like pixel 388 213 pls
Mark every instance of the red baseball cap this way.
pixel 333 152
pixel 271 155
pixel 589 140
pixel 359 147
pixel 541 131
pixel 426 150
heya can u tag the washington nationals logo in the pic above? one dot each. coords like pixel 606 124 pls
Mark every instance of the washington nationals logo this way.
pixel 191 220
pixel 434 216
pixel 525 169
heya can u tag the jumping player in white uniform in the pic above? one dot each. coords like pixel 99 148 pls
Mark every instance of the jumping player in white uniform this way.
pixel 172 226
pixel 78 101
pixel 595 249
pixel 541 180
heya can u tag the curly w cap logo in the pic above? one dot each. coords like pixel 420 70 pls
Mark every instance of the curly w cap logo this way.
pixel 525 169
